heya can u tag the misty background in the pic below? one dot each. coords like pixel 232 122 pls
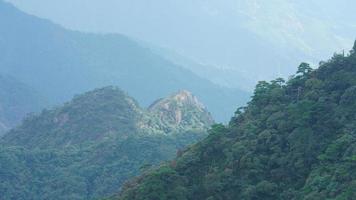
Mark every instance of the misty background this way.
pixel 221 38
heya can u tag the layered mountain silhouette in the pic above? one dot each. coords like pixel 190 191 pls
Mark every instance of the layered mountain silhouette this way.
pixel 60 63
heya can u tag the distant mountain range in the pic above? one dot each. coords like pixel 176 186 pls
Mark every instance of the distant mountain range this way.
pixel 222 34
pixel 90 146
pixel 59 63
pixel 16 101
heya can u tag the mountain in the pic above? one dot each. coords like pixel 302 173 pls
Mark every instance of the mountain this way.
pixel 228 34
pixel 87 148
pixel 180 111
pixel 108 111
pixel 59 63
pixel 16 101
pixel 294 140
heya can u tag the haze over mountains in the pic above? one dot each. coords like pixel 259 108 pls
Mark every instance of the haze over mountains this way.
pixel 59 63
pixel 16 101
pixel 226 34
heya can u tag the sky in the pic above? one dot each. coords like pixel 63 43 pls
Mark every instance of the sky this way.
pixel 242 35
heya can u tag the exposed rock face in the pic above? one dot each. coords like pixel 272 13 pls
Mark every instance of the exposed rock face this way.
pixel 180 111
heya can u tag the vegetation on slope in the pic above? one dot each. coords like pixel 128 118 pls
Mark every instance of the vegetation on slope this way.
pixel 294 140
pixel 88 147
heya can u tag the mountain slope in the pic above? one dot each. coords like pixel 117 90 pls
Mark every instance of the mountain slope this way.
pixel 16 101
pixel 294 140
pixel 90 146
pixel 35 51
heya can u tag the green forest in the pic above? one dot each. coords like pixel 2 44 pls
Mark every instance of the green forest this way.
pixel 295 140
pixel 87 148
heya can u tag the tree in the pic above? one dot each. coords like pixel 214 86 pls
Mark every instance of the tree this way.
pixel 304 69
pixel 217 128
pixel 261 88
pixel 279 81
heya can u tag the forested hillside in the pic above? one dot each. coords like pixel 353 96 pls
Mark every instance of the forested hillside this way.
pixel 60 63
pixel 294 140
pixel 87 148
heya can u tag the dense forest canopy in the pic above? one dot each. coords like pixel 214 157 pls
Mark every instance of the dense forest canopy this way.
pixel 295 139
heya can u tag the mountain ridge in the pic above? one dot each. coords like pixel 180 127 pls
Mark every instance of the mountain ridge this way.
pixel 111 113
pixel 292 31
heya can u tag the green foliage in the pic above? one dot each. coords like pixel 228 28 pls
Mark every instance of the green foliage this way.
pixel 164 184
pixel 294 140
pixel 304 69
pixel 87 148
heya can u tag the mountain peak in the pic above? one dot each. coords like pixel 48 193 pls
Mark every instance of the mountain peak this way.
pixel 181 110
pixel 184 93
pixel 92 116
pixel 187 97
pixel 182 97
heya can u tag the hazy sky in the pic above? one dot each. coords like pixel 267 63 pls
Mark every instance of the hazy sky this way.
pixel 216 32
